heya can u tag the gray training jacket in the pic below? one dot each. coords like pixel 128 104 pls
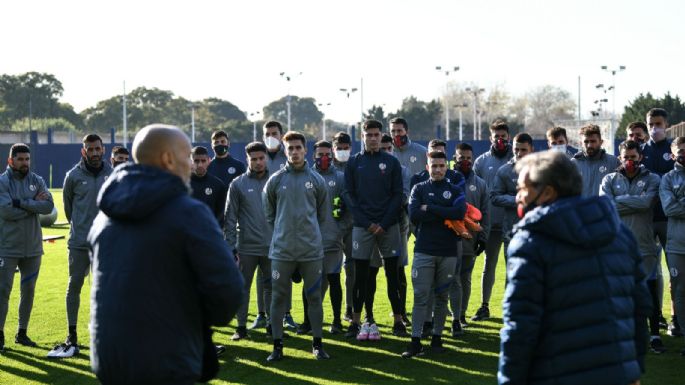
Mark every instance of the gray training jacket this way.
pixel 246 229
pixel 277 162
pixel 412 156
pixel 80 194
pixel 478 196
pixel 672 194
pixel 295 202
pixel 486 166
pixel 20 232
pixel 332 229
pixel 503 194
pixel 634 201
pixel 594 169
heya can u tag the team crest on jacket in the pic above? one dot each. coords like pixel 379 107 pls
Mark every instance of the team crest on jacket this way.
pixel 667 156
pixel 447 195
pixel 275 275
pixel 208 191
pixel 641 183
pixel 602 169
pixel 231 170
pixel 412 159
pixel 382 166
pixel 472 187
pixel 309 185
pixel 331 183
pixel 32 187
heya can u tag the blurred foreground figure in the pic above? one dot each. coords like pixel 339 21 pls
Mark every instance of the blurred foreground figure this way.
pixel 162 274
pixel 576 304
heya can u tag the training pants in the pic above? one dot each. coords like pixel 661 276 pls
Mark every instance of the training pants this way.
pixel 28 269
pixel 281 272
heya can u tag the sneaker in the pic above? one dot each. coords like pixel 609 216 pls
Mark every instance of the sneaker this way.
pixel 413 349
pixel 23 339
pixel 289 322
pixel 352 331
pixel 374 333
pixel 399 330
pixel 427 329
pixel 220 349
pixel 462 321
pixel 656 346
pixel 347 317
pixel 336 328
pixel 259 322
pixel 63 351
pixel 436 345
pixel 363 334
pixel 276 354
pixel 456 329
pixel 482 314
pixel 240 333
pixel 304 328
pixel 663 324
pixel 319 353
pixel 405 320
pixel 674 328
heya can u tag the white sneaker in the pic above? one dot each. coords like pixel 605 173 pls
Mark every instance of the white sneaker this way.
pixel 363 334
pixel 374 333
pixel 63 351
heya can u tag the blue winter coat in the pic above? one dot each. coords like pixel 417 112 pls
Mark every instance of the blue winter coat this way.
pixel 162 273
pixel 576 303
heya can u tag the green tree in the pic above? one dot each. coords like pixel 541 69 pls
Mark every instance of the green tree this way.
pixel 636 110
pixel 42 125
pixel 304 114
pixel 422 117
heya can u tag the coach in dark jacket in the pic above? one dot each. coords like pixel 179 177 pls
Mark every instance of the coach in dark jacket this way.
pixel 576 303
pixel 162 273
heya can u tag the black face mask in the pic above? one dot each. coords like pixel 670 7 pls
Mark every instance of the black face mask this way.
pixel 220 149
pixel 400 140
pixel 463 166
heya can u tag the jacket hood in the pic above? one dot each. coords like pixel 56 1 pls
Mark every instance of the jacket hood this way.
pixel 134 191
pixel 581 155
pixel 588 222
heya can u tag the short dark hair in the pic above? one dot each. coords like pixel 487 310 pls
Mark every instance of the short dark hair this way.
pixel 556 132
pixel 401 121
pixel 499 125
pixel 255 147
pixel 654 112
pixel 437 143
pixel 294 135
pixel 119 150
pixel 372 123
pixel 590 129
pixel 678 141
pixel 641 125
pixel 386 138
pixel 219 134
pixel 342 137
pixel 199 150
pixel 323 143
pixel 19 148
pixel 523 137
pixel 554 169
pixel 90 138
pixel 463 146
pixel 630 145
pixel 437 155
pixel 274 123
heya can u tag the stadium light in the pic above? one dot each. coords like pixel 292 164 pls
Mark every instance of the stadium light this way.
pixel 288 78
pixel 475 92
pixel 447 72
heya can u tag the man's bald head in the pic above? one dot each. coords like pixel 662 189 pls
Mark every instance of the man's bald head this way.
pixel 165 147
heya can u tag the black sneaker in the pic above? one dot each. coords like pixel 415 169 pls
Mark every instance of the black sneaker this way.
pixel 405 320
pixel 336 328
pixel 352 331
pixel 482 314
pixel 259 322
pixel 656 346
pixel 462 321
pixel 456 329
pixel 399 330
pixel 304 328
pixel 319 353
pixel 413 349
pixel 436 345
pixel 674 328
pixel 240 333
pixel 23 339
pixel 289 322
pixel 220 349
pixel 276 354
pixel 427 329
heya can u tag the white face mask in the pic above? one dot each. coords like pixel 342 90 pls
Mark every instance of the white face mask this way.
pixel 559 147
pixel 342 155
pixel 271 143
pixel 657 133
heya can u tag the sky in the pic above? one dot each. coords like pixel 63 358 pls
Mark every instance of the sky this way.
pixel 235 50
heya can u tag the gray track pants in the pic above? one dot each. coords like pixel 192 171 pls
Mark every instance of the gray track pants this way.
pixel 248 265
pixel 676 267
pixel 491 256
pixel 431 276
pixel 79 265
pixel 660 236
pixel 460 291
pixel 263 274
pixel 349 268
pixel 28 268
pixel 311 272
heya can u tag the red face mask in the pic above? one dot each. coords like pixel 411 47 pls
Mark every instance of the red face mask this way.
pixel 500 144
pixel 400 140
pixel 464 166
pixel 323 163
pixel 631 166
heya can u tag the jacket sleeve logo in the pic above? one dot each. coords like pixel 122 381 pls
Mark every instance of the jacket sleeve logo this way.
pixel 602 169
pixel 382 166
pixel 309 185
pixel 208 191
pixel 231 170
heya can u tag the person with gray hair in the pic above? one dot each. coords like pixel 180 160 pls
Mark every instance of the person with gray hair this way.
pixel 576 287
